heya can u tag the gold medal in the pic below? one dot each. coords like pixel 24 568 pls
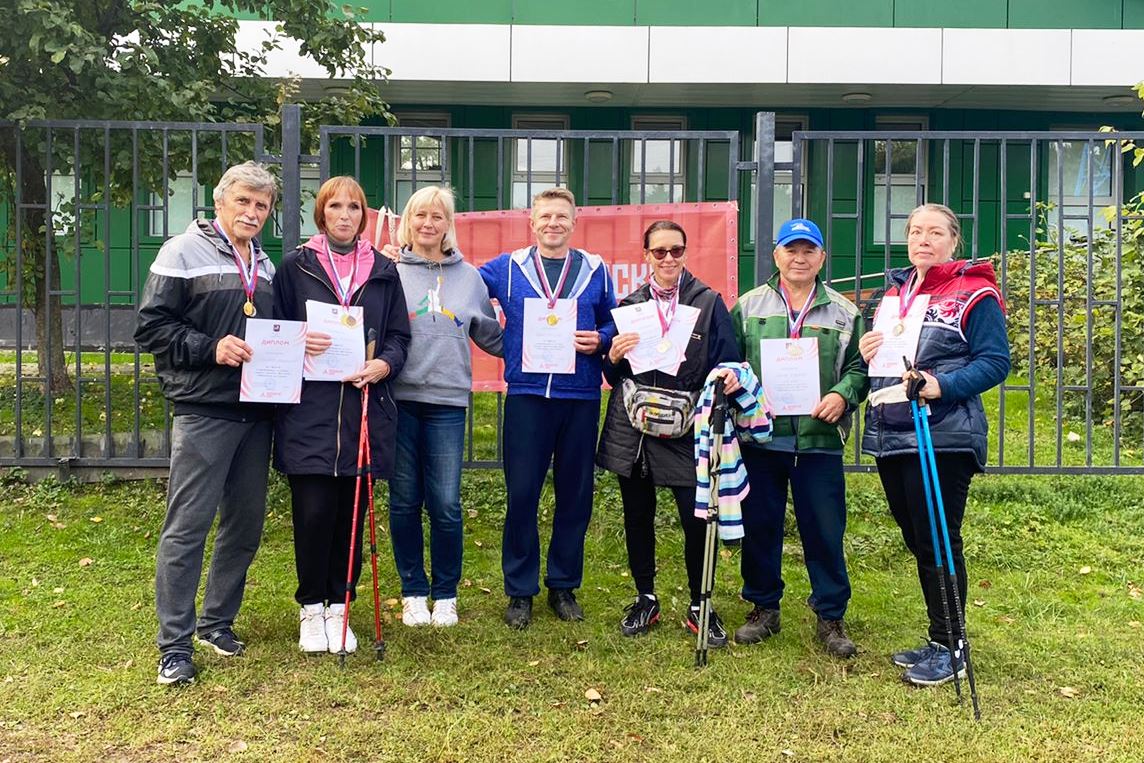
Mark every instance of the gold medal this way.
pixel 663 346
pixel 552 319
pixel 348 320
pixel 899 328
pixel 248 309
pixel 794 349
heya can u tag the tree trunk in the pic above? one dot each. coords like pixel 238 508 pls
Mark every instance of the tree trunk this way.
pixel 41 273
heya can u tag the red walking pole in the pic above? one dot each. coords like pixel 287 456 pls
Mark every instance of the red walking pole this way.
pixel 363 445
pixel 378 641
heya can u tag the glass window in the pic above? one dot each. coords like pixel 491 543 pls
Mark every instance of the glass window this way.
pixel 657 168
pixel 63 203
pixel 538 163
pixel 1082 166
pixel 421 158
pixel 310 180
pixel 905 176
pixel 180 207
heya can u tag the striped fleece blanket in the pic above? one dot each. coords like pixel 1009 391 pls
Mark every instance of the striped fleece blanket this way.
pixel 751 421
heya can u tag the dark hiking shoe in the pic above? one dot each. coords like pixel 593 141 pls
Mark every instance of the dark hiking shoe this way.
pixel 936 669
pixel 175 670
pixel 224 642
pixel 639 616
pixel 563 603
pixel 716 633
pixel 761 623
pixel 907 658
pixel 519 612
pixel 832 634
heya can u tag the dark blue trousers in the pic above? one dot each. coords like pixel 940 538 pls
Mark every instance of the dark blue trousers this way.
pixel 819 492
pixel 539 432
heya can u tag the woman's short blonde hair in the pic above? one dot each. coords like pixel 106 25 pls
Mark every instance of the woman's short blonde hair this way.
pixel 425 198
pixel 950 218
pixel 331 188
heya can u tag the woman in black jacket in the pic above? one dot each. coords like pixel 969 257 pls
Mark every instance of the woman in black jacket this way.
pixel 316 441
pixel 643 462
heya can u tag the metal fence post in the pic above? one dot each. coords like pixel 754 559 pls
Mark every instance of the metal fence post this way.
pixel 291 176
pixel 764 195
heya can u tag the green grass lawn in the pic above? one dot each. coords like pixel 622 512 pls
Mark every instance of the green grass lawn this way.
pixel 1055 614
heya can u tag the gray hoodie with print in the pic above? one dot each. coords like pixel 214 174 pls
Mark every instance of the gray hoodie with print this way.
pixel 448 304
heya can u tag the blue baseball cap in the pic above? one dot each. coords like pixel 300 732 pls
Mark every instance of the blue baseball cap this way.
pixel 800 229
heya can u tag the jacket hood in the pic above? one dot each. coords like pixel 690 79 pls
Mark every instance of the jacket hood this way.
pixel 938 275
pixel 452 257
pixel 318 243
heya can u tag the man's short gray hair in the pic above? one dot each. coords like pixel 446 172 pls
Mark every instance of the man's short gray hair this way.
pixel 250 174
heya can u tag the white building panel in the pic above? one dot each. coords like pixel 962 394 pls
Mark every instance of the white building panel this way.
pixel 590 54
pixel 1107 56
pixel 1006 56
pixel 445 52
pixel 730 54
pixel 864 55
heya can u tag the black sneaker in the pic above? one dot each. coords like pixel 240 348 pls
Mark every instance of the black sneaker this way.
pixel 563 603
pixel 224 642
pixel 639 616
pixel 175 669
pixel 832 634
pixel 519 612
pixel 716 633
pixel 761 623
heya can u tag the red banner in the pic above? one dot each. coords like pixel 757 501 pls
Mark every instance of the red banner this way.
pixel 614 233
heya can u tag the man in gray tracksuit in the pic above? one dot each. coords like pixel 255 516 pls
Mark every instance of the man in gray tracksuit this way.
pixel 202 287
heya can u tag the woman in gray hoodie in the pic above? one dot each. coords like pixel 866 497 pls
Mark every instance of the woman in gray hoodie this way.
pixel 448 304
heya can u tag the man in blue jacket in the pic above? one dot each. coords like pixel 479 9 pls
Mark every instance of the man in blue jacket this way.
pixel 550 418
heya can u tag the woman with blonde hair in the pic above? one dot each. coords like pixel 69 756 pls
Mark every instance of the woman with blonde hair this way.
pixel 316 441
pixel 963 350
pixel 448 305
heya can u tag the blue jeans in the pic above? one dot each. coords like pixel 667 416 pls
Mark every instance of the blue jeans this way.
pixel 819 492
pixel 427 471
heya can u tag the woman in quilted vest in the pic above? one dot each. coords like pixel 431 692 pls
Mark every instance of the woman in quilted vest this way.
pixel 963 351
pixel 643 461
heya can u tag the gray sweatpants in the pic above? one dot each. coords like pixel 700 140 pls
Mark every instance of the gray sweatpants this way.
pixel 217 466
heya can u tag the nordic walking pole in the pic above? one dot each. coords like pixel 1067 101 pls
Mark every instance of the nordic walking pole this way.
pixel 914 384
pixel 958 607
pixel 363 443
pixel 707 585
pixel 378 641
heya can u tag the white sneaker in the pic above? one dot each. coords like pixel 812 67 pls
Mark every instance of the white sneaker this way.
pixel 445 612
pixel 312 628
pixel 335 613
pixel 414 610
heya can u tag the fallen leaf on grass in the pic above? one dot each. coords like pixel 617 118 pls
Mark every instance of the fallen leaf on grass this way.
pixel 51 517
pixel 86 561
pixel 1006 619
pixel 979 602
pixel 1133 590
pixel 128 665
pixel 985 584
pixel 788 752
pixel 59 589
pixel 467 583
pixel 485 590
pixel 35 583
pixel 533 663
pixel 478 544
pixel 1085 570
pixel 77 714
pixel 1133 623
pixel 219 689
pixel 1069 692
pixel 391 603
pixel 593 696
pixel 97 520
pixel 59 604
pixel 237 746
pixel 472 513
pixel 1073 437
pixel 58 525
pixel 136 606
pixel 654 690
pixel 725 553
pixel 582 644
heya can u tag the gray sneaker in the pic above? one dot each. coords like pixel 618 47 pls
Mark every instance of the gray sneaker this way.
pixel 761 623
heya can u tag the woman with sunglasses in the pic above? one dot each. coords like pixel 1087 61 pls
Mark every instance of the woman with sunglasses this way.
pixel 643 462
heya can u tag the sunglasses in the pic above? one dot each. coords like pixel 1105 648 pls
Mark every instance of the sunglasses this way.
pixel 676 252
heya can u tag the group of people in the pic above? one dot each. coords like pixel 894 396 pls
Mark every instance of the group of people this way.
pixel 421 303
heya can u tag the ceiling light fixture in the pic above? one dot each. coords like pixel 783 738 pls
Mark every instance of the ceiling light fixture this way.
pixel 598 96
pixel 856 97
pixel 1119 100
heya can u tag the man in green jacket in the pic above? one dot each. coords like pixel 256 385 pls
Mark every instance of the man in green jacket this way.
pixel 781 327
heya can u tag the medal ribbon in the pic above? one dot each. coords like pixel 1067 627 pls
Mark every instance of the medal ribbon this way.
pixel 249 277
pixel 552 294
pixel 796 323
pixel 345 294
pixel 665 314
pixel 906 297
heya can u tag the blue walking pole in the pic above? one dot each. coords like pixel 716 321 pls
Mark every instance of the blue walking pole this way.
pixel 932 485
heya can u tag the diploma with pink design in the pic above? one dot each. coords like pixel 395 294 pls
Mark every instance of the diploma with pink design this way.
pixel 274 372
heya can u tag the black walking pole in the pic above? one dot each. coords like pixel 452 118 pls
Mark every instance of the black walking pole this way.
pixel 707 584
